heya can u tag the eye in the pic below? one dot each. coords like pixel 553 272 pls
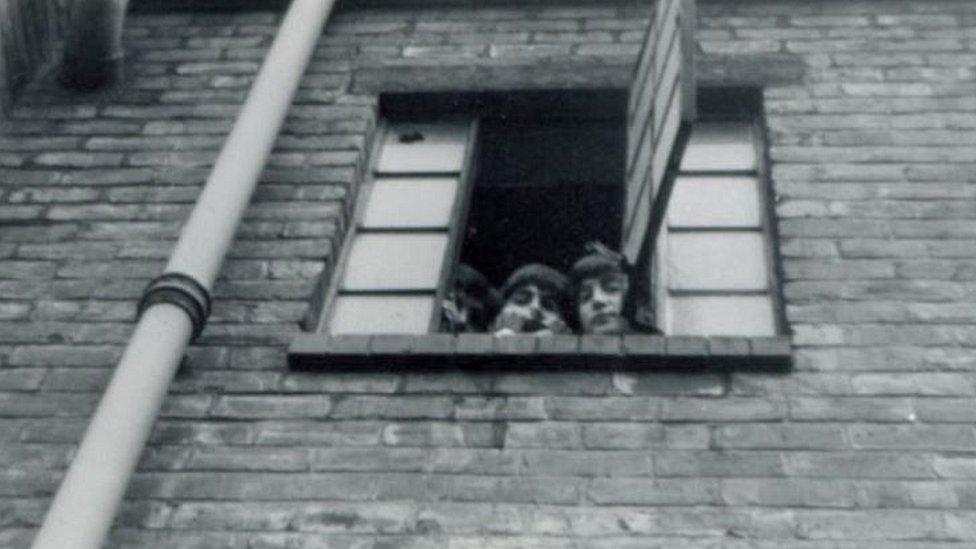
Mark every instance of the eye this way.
pixel 614 286
pixel 521 297
pixel 585 293
pixel 548 303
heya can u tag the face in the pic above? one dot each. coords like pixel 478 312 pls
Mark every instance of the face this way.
pixel 464 311
pixel 600 301
pixel 538 308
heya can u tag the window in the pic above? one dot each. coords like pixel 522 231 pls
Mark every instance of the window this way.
pixel 403 244
pixel 497 181
pixel 715 271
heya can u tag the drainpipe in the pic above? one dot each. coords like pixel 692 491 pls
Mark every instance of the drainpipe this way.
pixel 93 43
pixel 175 305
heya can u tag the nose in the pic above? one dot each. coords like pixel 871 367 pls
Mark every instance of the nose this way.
pixel 600 298
pixel 535 307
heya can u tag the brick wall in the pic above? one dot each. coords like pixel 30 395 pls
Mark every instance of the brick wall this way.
pixel 868 443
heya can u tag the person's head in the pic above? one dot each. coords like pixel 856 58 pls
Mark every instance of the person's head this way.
pixel 600 285
pixel 475 301
pixel 536 294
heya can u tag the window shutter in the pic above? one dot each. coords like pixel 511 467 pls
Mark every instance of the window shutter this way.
pixel 660 112
pixel 399 253
pixel 717 275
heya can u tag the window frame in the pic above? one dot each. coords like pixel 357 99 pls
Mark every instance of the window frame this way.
pixel 659 291
pixel 456 222
pixel 319 349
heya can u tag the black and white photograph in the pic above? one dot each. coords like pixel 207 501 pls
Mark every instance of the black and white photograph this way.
pixel 487 274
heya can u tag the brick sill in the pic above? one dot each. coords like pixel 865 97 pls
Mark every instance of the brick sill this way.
pixel 441 351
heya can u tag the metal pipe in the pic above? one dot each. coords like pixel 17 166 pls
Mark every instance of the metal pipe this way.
pixel 93 43
pixel 175 305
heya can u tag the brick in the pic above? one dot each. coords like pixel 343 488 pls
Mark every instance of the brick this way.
pixel 887 524
pixel 623 436
pixel 686 346
pixel 528 51
pixel 933 384
pixel 653 492
pixel 27 269
pixel 907 494
pixel 740 47
pixel 861 464
pixel 248 459
pixel 543 435
pixel 356 433
pixel 564 345
pixel 276 487
pixel 515 345
pixel 912 437
pixel 725 409
pixel 21 379
pixel 371 459
pixel 472 461
pixel 79 160
pixel 601 345
pixel 698 463
pixel 954 467
pixel 687 437
pixel 610 50
pixel 876 409
pixel 417 407
pixel 41 405
pixel 633 408
pixel 500 408
pixel 589 463
pixel 12 213
pixel 13 311
pixel 945 410
pixel 728 346
pixel 551 383
pixel 788 492
pixel 781 436
pixel 84 380
pixel 644 344
pixel 273 407
pixel 700 384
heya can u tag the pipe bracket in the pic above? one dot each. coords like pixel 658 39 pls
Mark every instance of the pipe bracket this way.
pixel 183 291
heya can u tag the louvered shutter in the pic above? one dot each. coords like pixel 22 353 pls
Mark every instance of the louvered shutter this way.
pixel 660 112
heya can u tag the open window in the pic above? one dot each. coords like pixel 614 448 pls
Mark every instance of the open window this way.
pixel 494 181
pixel 497 180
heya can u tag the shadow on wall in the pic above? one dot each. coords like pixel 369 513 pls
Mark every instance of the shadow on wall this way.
pixel 29 31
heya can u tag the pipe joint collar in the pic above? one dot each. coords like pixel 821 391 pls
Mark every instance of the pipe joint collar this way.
pixel 183 291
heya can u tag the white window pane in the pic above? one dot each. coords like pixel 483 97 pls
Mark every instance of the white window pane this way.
pixel 728 315
pixel 401 202
pixel 720 146
pixel 715 202
pixel 420 148
pixel 395 314
pixel 716 261
pixel 394 261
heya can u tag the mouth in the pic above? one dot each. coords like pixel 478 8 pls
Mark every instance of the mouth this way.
pixel 605 318
pixel 533 326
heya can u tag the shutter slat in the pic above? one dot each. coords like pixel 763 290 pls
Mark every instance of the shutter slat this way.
pixel 659 120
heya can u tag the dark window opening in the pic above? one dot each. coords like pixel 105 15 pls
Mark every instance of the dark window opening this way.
pixel 543 189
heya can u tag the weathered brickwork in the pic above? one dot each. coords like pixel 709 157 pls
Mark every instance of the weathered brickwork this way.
pixel 868 443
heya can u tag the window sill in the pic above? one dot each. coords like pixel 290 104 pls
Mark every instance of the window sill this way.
pixel 441 351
